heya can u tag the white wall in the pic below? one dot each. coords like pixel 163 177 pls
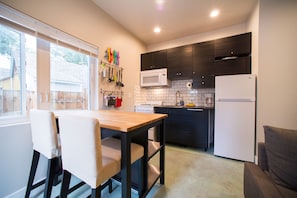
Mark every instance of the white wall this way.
pixel 16 154
pixel 13 152
pixel 275 65
pixel 277 92
pixel 253 26
pixel 82 19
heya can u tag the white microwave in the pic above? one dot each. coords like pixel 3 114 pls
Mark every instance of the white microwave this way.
pixel 154 78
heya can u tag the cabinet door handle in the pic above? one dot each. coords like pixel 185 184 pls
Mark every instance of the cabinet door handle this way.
pixel 195 109
pixel 229 58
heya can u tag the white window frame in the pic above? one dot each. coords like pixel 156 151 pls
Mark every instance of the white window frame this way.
pixel 44 31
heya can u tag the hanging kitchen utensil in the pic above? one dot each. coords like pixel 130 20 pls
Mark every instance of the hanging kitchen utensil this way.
pixel 115 76
pixel 111 100
pixel 121 78
pixel 104 72
pixel 109 75
pixel 118 83
pixel 105 101
pixel 112 79
pixel 118 102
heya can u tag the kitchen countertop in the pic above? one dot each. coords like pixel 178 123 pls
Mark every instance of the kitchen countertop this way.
pixel 116 120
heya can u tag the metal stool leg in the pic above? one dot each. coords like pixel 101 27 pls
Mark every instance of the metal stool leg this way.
pixel 30 186
pixel 65 184
pixel 51 168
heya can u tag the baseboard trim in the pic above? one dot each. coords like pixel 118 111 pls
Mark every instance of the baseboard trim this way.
pixel 21 192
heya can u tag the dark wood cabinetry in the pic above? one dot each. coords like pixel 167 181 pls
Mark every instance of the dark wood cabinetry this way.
pixel 238 45
pixel 204 81
pixel 203 65
pixel 232 55
pixel 154 60
pixel 203 61
pixel 240 65
pixel 186 126
pixel 179 62
pixel 203 58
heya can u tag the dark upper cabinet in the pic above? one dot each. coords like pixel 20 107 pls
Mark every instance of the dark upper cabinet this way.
pixel 154 60
pixel 204 81
pixel 232 55
pixel 146 61
pixel 241 65
pixel 180 63
pixel 238 45
pixel 203 58
pixel 203 61
pixel 203 65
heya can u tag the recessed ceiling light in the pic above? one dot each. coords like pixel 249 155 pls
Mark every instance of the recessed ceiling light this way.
pixel 160 4
pixel 157 30
pixel 214 13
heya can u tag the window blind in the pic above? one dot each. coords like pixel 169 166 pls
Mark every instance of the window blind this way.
pixel 17 20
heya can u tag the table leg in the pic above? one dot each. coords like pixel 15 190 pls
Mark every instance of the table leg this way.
pixel 126 165
pixel 145 163
pixel 162 152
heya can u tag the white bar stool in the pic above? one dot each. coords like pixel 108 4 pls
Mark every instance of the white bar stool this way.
pixel 86 156
pixel 45 142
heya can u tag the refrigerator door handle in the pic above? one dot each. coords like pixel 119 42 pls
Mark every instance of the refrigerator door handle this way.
pixel 236 100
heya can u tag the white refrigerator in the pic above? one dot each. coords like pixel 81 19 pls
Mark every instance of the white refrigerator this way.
pixel 234 133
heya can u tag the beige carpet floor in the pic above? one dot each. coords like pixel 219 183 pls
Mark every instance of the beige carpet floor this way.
pixel 189 173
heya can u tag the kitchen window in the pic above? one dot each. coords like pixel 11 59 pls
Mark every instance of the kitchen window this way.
pixel 42 67
pixel 69 79
pixel 17 72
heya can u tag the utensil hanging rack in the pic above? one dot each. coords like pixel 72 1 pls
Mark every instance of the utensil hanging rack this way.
pixel 104 63
pixel 109 92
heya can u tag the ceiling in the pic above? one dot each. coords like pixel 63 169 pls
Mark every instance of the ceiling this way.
pixel 176 18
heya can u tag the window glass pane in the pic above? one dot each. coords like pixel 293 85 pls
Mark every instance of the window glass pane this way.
pixel 14 53
pixel 69 78
pixel 10 72
pixel 16 50
pixel 31 73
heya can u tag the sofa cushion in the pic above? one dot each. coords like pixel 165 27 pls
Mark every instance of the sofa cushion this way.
pixel 281 148
pixel 258 184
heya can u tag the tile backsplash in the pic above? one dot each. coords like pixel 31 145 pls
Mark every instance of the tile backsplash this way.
pixel 168 94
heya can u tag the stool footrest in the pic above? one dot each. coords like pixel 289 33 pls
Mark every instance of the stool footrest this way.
pixel 73 188
pixel 38 184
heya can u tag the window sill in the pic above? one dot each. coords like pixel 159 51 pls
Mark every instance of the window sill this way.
pixel 13 120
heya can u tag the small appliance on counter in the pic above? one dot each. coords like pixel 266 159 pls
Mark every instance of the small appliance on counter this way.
pixel 148 107
pixel 208 100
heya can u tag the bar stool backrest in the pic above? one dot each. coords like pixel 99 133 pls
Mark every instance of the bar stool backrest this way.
pixel 44 133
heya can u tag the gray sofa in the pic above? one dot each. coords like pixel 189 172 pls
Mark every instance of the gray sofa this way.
pixel 276 173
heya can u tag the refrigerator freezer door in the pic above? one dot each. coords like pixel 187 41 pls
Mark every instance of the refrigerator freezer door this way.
pixel 235 87
pixel 235 130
